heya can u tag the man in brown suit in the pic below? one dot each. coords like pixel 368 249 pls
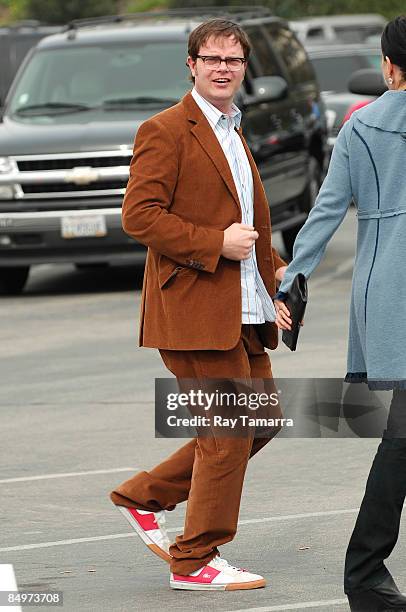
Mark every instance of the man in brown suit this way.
pixel 196 200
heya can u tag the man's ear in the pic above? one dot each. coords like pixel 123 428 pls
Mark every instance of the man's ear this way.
pixel 192 64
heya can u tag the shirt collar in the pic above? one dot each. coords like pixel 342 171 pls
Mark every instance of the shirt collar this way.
pixel 213 113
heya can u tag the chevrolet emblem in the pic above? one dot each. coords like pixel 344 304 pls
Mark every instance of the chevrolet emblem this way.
pixel 83 175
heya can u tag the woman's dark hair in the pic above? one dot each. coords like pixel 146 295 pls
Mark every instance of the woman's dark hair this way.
pixel 393 42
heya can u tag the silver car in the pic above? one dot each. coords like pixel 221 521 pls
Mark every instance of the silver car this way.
pixel 334 65
pixel 339 28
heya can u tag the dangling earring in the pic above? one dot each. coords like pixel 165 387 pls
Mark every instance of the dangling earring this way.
pixel 390 80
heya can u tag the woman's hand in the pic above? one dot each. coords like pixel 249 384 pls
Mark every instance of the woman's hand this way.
pixel 280 273
pixel 283 320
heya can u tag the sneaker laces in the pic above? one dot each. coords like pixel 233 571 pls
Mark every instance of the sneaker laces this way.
pixel 160 520
pixel 223 565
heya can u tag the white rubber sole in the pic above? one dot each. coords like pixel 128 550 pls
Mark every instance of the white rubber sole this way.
pixel 157 550
pixel 234 586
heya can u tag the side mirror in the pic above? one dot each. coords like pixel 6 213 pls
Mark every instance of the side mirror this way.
pixel 367 82
pixel 268 89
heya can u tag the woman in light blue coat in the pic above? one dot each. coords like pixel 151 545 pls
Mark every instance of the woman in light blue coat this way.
pixel 368 166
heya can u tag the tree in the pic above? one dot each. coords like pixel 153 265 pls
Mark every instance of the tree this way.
pixel 293 9
pixel 62 11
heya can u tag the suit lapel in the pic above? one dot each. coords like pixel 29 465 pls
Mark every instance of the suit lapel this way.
pixel 204 134
pixel 208 141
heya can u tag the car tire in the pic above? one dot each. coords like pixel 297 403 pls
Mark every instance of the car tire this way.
pixel 306 203
pixel 13 280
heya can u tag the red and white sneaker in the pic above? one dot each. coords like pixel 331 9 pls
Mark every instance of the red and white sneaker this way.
pixel 150 526
pixel 218 575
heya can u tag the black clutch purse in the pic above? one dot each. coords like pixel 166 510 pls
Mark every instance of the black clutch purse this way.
pixel 296 302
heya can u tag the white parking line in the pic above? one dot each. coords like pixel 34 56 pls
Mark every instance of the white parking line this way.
pixel 113 536
pixel 268 519
pixel 66 474
pixel 296 606
pixel 8 583
pixel 290 517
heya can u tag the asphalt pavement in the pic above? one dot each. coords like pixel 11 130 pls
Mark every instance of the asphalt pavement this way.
pixel 77 400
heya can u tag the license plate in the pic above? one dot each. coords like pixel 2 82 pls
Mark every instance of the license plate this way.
pixel 83 227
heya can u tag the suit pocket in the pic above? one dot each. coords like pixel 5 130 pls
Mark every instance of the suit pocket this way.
pixel 166 277
pixel 168 270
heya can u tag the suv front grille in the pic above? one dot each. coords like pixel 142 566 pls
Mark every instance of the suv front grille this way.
pixel 67 164
pixel 64 175
pixel 66 187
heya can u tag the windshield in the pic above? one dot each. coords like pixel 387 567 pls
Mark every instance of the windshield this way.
pixel 78 78
pixel 333 73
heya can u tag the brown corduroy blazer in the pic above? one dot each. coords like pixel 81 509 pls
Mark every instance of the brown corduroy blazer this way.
pixel 180 198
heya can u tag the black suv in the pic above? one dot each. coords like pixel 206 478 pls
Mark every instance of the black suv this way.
pixel 69 121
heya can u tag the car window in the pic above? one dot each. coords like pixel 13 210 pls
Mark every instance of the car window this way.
pixel 315 33
pixel 291 52
pixel 266 64
pixel 94 74
pixel 333 73
pixel 357 33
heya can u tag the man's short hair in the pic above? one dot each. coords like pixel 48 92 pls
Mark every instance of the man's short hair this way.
pixel 219 28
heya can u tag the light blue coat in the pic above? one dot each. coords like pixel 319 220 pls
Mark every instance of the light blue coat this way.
pixel 368 165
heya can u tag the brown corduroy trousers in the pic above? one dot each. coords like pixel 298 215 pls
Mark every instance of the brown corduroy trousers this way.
pixel 208 472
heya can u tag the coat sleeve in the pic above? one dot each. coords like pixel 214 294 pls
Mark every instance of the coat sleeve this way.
pixel 146 214
pixel 328 213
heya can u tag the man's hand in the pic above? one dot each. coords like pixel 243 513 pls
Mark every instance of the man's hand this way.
pixel 238 241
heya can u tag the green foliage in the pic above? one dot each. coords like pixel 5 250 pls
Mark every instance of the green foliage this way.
pixel 61 11
pixel 135 6
pixel 291 9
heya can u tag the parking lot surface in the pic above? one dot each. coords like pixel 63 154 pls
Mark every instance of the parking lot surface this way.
pixel 77 399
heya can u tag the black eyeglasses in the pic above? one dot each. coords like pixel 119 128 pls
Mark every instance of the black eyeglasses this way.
pixel 213 62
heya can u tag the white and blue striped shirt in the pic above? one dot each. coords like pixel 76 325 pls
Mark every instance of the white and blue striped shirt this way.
pixel 257 305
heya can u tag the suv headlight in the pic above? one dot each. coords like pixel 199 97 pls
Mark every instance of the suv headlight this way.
pixel 6 191
pixel 5 164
